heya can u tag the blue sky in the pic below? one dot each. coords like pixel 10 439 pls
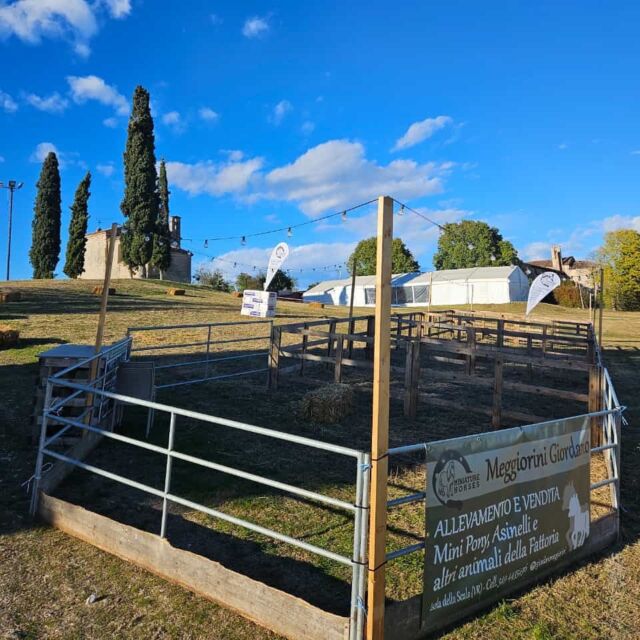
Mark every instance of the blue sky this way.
pixel 271 113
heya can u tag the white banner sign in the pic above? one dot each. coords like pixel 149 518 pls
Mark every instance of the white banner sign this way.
pixel 544 284
pixel 278 256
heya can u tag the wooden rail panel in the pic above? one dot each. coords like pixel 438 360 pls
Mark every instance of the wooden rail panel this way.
pixel 267 606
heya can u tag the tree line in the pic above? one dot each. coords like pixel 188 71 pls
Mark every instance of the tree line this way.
pixel 145 240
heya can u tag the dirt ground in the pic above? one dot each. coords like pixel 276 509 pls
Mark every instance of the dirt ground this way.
pixel 46 577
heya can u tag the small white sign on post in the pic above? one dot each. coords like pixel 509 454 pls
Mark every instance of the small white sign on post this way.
pixel 259 304
pixel 543 285
pixel 278 256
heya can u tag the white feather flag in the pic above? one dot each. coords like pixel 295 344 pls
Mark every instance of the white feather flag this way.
pixel 278 256
pixel 544 284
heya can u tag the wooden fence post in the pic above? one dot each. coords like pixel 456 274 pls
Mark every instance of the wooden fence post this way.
pixel 380 424
pixel 303 351
pixel 471 357
pixel 412 378
pixel 371 332
pixel 595 403
pixel 332 331
pixel 497 394
pixel 500 334
pixel 352 330
pixel 274 357
pixel 337 372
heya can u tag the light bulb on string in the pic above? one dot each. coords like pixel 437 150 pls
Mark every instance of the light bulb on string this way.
pixel 206 244
pixel 243 240
pixel 344 216
pixel 401 212
pixel 289 232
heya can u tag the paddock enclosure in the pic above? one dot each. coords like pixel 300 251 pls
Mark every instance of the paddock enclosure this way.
pixel 192 459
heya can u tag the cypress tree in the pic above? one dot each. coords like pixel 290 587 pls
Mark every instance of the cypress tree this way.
pixel 161 256
pixel 76 244
pixel 45 245
pixel 140 202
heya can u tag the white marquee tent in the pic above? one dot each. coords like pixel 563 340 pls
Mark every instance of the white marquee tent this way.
pixel 481 285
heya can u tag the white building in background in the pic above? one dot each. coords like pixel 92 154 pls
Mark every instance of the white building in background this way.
pixel 481 285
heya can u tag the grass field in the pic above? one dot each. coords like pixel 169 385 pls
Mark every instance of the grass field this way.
pixel 45 576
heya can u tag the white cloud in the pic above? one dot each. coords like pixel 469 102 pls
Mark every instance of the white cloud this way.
pixel 307 128
pixel 65 158
pixel 636 152
pixel 255 27
pixel 280 111
pixel 1 158
pixel 216 179
pixel 563 146
pixel 7 103
pixel 84 88
pixel 118 8
pixel 76 21
pixel 580 241
pixel 174 121
pixel 234 155
pixel 420 131
pixel 337 174
pixel 111 122
pixel 54 103
pixel 42 150
pixel 208 115
pixel 536 251
pixel 215 19
pixel 106 169
pixel 613 223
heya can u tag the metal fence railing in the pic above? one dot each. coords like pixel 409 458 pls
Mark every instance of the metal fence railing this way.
pixel 191 353
pixel 610 419
pixel 358 507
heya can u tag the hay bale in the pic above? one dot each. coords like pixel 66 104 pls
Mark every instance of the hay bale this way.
pixel 8 337
pixel 236 294
pixel 176 292
pixel 10 295
pixel 328 404
pixel 316 305
pixel 98 289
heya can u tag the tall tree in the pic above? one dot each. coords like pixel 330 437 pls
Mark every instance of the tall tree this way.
pixel 140 203
pixel 364 258
pixel 619 256
pixel 471 243
pixel 77 242
pixel 161 255
pixel 280 281
pixel 45 245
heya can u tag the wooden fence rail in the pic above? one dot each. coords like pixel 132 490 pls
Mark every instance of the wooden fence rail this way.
pixel 455 338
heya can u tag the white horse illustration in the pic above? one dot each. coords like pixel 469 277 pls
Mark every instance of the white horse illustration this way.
pixel 580 525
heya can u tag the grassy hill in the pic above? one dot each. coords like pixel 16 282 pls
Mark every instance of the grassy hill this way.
pixel 46 576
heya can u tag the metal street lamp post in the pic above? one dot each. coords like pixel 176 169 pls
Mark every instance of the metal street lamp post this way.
pixel 12 185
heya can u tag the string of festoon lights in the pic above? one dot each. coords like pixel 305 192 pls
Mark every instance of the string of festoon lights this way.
pixel 288 229
pixel 237 263
pixel 343 213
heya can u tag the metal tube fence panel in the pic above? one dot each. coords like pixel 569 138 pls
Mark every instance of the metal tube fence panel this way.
pixel 618 454
pixel 225 422
pixel 167 475
pixel 365 470
pixel 356 568
pixel 219 377
pixel 43 435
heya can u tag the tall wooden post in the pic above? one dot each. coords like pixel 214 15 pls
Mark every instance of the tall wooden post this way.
pixel 105 287
pixel 380 424
pixel 601 309
pixel 102 318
